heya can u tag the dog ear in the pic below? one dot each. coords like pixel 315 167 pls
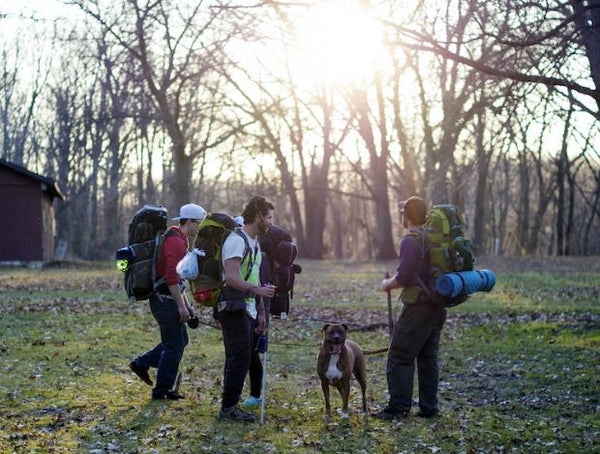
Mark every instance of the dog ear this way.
pixel 325 327
pixel 345 326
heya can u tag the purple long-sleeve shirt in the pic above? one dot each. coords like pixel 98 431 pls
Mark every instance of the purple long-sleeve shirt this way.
pixel 413 264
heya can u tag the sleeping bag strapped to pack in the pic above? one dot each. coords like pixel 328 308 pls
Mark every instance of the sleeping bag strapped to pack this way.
pixel 139 258
pixel 212 232
pixel 281 251
pixel 448 251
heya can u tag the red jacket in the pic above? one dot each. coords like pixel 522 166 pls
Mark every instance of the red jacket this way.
pixel 173 250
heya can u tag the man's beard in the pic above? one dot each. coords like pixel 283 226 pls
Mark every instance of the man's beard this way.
pixel 263 227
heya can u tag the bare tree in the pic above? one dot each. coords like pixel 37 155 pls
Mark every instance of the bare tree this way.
pixel 373 126
pixel 19 101
pixel 556 34
pixel 175 48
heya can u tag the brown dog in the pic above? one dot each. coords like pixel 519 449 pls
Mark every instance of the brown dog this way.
pixel 338 359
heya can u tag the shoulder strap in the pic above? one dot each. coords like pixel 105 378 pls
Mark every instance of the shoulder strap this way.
pixel 158 242
pixel 247 250
pixel 422 235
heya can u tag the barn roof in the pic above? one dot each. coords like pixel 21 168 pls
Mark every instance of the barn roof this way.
pixel 48 184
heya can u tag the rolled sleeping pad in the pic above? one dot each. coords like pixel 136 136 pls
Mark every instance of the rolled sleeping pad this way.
pixel 465 283
pixel 449 284
pixel 490 280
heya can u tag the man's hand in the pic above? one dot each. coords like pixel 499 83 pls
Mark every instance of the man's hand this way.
pixel 184 314
pixel 266 291
pixel 388 284
pixel 261 325
pixel 383 285
pixel 182 304
pixel 192 310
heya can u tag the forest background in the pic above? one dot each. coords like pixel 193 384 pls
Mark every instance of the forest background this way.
pixel 335 110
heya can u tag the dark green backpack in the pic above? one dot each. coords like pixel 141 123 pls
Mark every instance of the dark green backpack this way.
pixel 448 250
pixel 212 232
pixel 139 259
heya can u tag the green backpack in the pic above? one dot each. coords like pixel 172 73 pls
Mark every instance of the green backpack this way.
pixel 448 251
pixel 212 232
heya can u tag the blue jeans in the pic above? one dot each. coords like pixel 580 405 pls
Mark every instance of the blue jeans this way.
pixel 416 336
pixel 237 336
pixel 167 354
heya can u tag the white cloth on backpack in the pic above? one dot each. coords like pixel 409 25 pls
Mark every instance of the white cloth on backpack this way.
pixel 187 268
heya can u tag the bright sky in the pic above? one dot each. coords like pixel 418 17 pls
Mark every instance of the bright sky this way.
pixel 338 41
pixel 45 8
pixel 17 15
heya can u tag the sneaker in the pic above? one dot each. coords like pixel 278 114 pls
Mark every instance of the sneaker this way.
pixel 171 395
pixel 235 414
pixel 142 373
pixel 389 414
pixel 431 414
pixel 251 403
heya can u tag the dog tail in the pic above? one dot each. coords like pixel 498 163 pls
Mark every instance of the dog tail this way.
pixel 374 352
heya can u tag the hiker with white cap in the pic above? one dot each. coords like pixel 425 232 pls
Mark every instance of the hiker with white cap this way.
pixel 170 307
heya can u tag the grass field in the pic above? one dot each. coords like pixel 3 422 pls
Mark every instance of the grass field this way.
pixel 519 367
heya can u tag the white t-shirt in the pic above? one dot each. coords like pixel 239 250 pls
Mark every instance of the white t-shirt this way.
pixel 234 246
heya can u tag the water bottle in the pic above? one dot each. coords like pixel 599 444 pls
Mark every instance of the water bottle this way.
pixel 122 265
pixel 123 257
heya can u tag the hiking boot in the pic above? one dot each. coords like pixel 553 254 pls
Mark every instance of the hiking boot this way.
pixel 251 403
pixel 171 395
pixel 430 414
pixel 142 373
pixel 235 414
pixel 389 414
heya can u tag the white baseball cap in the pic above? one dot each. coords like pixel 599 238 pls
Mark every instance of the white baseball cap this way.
pixel 191 211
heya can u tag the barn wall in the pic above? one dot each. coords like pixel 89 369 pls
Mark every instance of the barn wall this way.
pixel 21 222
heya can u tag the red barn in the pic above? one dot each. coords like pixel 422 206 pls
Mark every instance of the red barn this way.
pixel 27 202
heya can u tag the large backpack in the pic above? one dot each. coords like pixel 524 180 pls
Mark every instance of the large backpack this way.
pixel 212 232
pixel 147 231
pixel 277 244
pixel 446 248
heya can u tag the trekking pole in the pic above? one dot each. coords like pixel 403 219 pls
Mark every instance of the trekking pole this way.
pixel 261 347
pixel 177 382
pixel 389 305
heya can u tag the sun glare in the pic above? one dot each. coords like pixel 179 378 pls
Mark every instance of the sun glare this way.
pixel 337 42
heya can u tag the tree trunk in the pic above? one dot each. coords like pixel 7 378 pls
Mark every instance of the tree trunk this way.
pixel 315 204
pixel 523 209
pixel 483 165
pixel 561 173
pixel 385 241
pixel 378 177
pixel 588 22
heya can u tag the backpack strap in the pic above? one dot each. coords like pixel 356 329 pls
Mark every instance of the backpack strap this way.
pixel 158 242
pixel 240 294
pixel 420 234
pixel 247 250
